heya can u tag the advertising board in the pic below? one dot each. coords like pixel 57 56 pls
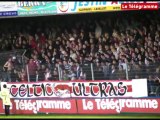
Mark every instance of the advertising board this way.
pixel 8 8
pixel 88 6
pixel 84 106
pixel 31 8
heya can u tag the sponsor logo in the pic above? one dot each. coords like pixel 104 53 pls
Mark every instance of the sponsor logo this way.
pixel 35 106
pixel 139 6
pixel 63 6
pixel 88 5
pixel 125 103
pixel 118 105
pixel 30 5
pixel 91 106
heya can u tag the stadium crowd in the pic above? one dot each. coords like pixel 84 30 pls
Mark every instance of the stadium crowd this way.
pixel 116 43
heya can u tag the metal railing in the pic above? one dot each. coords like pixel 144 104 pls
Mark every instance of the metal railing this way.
pixel 33 71
pixel 90 71
pixel 85 71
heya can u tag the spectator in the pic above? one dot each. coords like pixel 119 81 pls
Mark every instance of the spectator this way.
pixel 113 74
pixel 121 75
pixel 132 43
pixel 106 69
pixel 72 75
pixel 32 70
pixel 41 73
pixel 23 75
pixel 8 68
pixel 48 74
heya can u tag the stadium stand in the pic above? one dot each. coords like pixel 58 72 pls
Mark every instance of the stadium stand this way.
pixel 101 46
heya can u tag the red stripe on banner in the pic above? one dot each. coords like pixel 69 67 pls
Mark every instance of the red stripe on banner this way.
pixel 129 88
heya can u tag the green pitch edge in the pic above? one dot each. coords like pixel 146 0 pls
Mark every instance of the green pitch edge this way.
pixel 79 116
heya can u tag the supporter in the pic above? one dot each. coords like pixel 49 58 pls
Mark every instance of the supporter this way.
pixel 121 73
pixel 113 73
pixel 78 70
pixel 23 75
pixel 112 42
pixel 41 73
pixel 82 76
pixel 15 76
pixel 8 68
pixel 156 73
pixel 65 75
pixel 72 75
pixel 151 85
pixel 98 74
pixel 48 75
pixel 106 69
pixel 157 81
pixel 32 70
pixel 55 74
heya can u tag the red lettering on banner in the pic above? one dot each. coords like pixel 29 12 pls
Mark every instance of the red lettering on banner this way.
pixel 49 89
pixel 38 90
pixel 95 89
pixel 31 90
pixel 14 91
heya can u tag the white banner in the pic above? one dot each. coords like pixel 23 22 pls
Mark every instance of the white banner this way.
pixel 8 6
pixel 96 89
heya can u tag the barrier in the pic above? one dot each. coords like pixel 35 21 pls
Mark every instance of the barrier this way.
pixel 79 89
pixel 84 106
pixel 81 97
